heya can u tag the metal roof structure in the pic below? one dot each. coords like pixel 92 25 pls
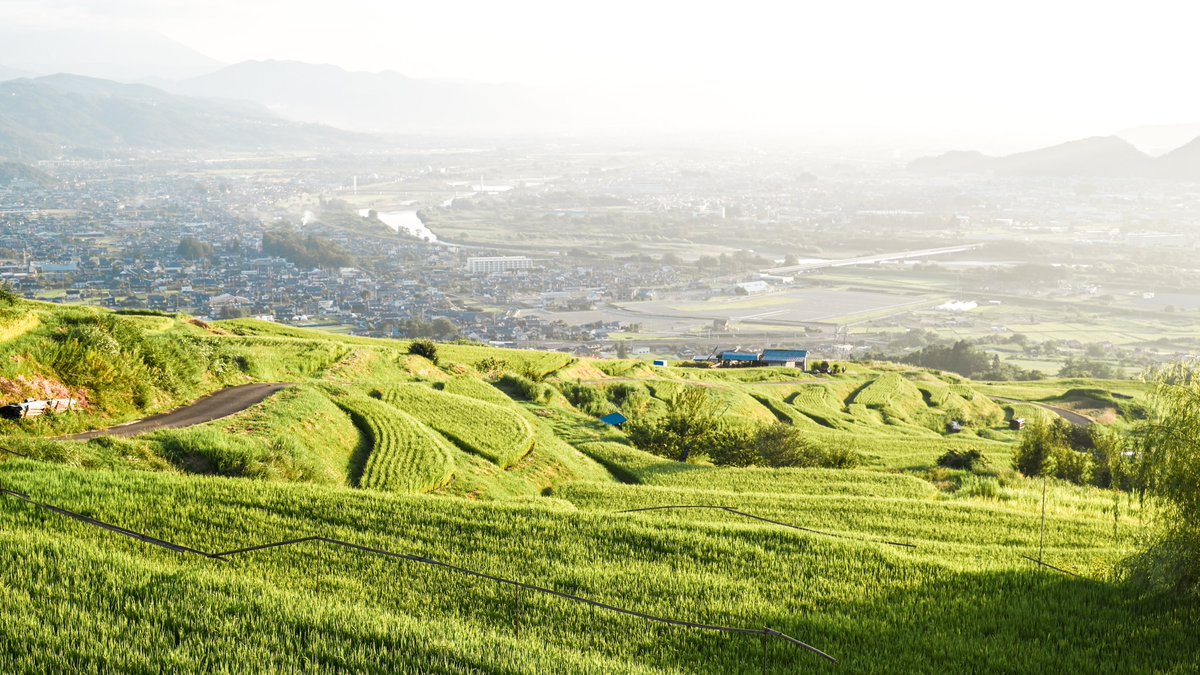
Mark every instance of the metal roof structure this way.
pixel 738 356
pixel 784 354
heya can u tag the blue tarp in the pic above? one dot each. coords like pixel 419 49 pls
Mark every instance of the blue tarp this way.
pixel 615 419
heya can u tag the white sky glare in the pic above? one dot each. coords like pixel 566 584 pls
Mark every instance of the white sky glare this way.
pixel 1054 70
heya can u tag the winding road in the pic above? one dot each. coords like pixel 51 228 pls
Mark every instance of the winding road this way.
pixel 1068 415
pixel 220 404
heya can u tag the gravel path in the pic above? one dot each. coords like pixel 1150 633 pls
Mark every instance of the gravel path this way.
pixel 1068 415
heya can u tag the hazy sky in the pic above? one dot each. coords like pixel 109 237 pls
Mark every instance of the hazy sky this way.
pixel 1047 69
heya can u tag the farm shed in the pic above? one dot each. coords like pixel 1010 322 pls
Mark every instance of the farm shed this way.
pixel 739 359
pixel 752 287
pixel 788 358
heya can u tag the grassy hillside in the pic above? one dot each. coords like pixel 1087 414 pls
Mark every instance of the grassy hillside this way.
pixel 82 598
pixel 893 566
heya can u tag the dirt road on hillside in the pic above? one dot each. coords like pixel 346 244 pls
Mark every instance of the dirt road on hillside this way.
pixel 1068 415
pixel 212 407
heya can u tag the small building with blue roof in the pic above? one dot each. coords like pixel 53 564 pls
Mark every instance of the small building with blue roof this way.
pixel 739 359
pixel 788 358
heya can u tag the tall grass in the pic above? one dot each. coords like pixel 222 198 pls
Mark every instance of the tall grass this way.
pixel 81 599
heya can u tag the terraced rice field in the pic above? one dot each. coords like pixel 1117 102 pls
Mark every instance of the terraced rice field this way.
pixel 499 435
pixel 85 599
pixel 405 455
pixel 887 567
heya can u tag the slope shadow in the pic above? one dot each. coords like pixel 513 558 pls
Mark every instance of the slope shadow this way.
pixel 1013 621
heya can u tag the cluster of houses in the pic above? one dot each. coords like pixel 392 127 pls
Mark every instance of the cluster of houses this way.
pixel 118 248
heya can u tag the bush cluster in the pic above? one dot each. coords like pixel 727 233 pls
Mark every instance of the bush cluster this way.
pixel 524 388
pixel 691 428
pixel 1081 455
pixel 966 460
pixel 424 348
pixel 586 398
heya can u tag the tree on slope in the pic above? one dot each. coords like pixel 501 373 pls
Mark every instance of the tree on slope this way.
pixel 1167 471
pixel 689 425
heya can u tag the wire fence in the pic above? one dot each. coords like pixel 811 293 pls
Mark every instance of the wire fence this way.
pixel 737 512
pixel 1052 567
pixel 223 556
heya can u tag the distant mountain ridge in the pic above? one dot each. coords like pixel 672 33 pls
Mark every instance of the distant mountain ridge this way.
pixel 1159 139
pixel 1182 162
pixel 384 101
pixel 39 117
pixel 1098 156
pixel 7 73
pixel 111 53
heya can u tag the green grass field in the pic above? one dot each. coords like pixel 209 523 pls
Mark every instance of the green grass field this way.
pixel 894 566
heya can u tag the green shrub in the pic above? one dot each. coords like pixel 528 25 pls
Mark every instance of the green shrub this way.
pixel 967 460
pixel 632 399
pixel 987 487
pixel 1167 450
pixel 7 295
pixel 586 398
pixel 524 388
pixel 1048 448
pixel 492 368
pixel 776 445
pixel 691 424
pixel 424 348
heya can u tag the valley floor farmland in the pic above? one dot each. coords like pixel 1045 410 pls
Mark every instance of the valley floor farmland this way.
pixel 787 307
pixel 514 477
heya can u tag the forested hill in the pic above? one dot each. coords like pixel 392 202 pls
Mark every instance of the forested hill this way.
pixel 40 117
pixel 15 173
pixel 1101 156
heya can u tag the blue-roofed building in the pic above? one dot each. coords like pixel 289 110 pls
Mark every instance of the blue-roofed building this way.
pixel 739 359
pixel 788 358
